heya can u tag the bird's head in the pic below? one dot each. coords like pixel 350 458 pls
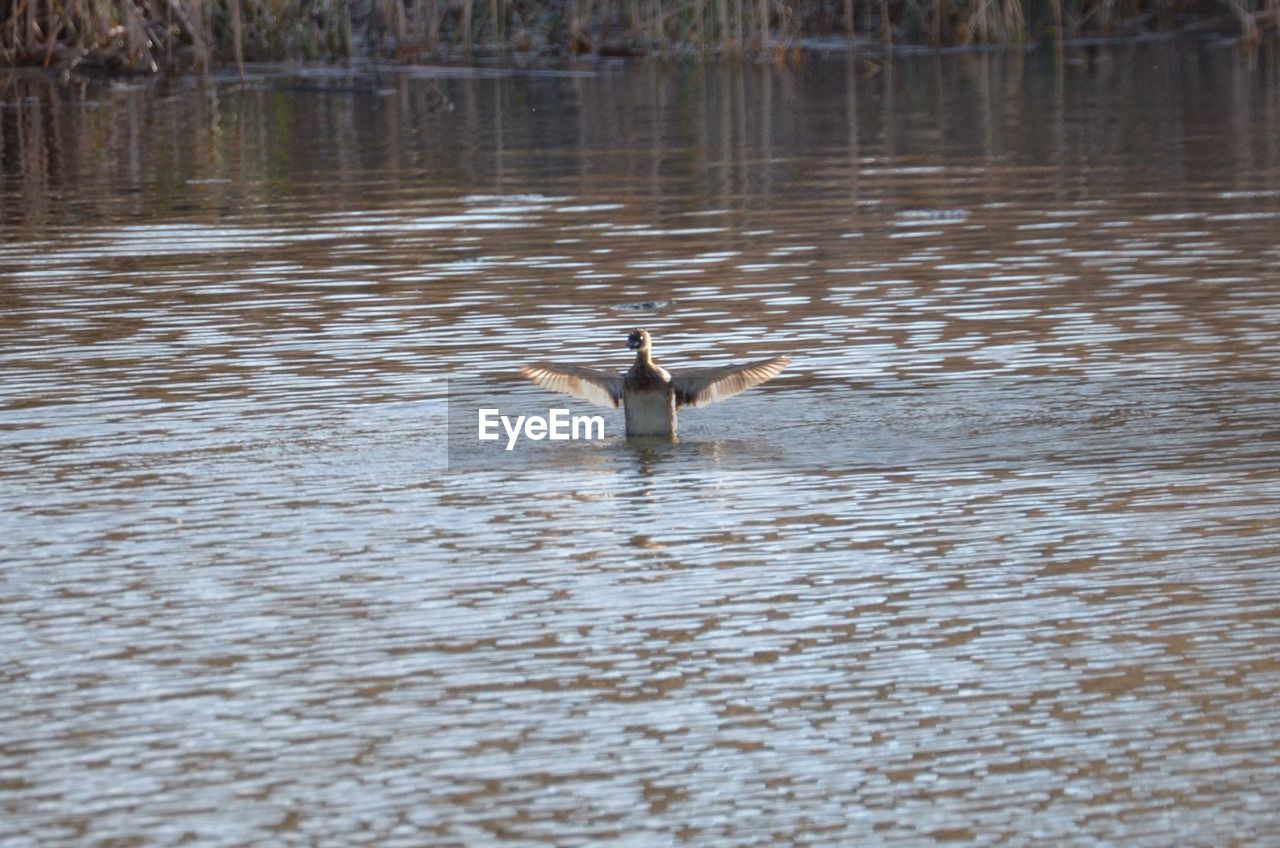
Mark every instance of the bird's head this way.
pixel 638 340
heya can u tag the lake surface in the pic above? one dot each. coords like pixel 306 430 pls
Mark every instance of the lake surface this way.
pixel 994 562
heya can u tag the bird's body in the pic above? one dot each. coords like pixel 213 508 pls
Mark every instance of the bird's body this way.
pixel 650 413
pixel 650 394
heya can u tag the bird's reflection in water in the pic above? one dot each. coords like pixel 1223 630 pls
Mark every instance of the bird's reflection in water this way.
pixel 654 454
pixel 650 454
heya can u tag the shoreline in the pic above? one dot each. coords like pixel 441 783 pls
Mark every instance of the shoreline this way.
pixel 1075 51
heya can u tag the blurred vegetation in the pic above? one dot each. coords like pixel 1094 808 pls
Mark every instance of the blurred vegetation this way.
pixel 147 35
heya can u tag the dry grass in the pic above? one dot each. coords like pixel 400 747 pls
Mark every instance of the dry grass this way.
pixel 145 35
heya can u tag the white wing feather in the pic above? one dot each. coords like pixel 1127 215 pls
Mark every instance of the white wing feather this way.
pixel 586 383
pixel 699 387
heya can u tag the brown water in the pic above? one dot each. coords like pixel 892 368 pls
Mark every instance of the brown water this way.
pixel 994 562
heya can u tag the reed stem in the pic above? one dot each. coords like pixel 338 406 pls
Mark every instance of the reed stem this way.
pixel 237 36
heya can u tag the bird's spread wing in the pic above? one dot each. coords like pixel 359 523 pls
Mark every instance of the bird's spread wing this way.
pixel 701 386
pixel 585 383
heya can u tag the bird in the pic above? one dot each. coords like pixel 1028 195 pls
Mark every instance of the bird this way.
pixel 648 393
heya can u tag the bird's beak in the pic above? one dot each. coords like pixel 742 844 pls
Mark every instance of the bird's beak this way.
pixel 633 343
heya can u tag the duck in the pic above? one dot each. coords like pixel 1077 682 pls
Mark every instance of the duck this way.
pixel 648 393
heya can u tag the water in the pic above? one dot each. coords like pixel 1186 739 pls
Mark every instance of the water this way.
pixel 993 562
